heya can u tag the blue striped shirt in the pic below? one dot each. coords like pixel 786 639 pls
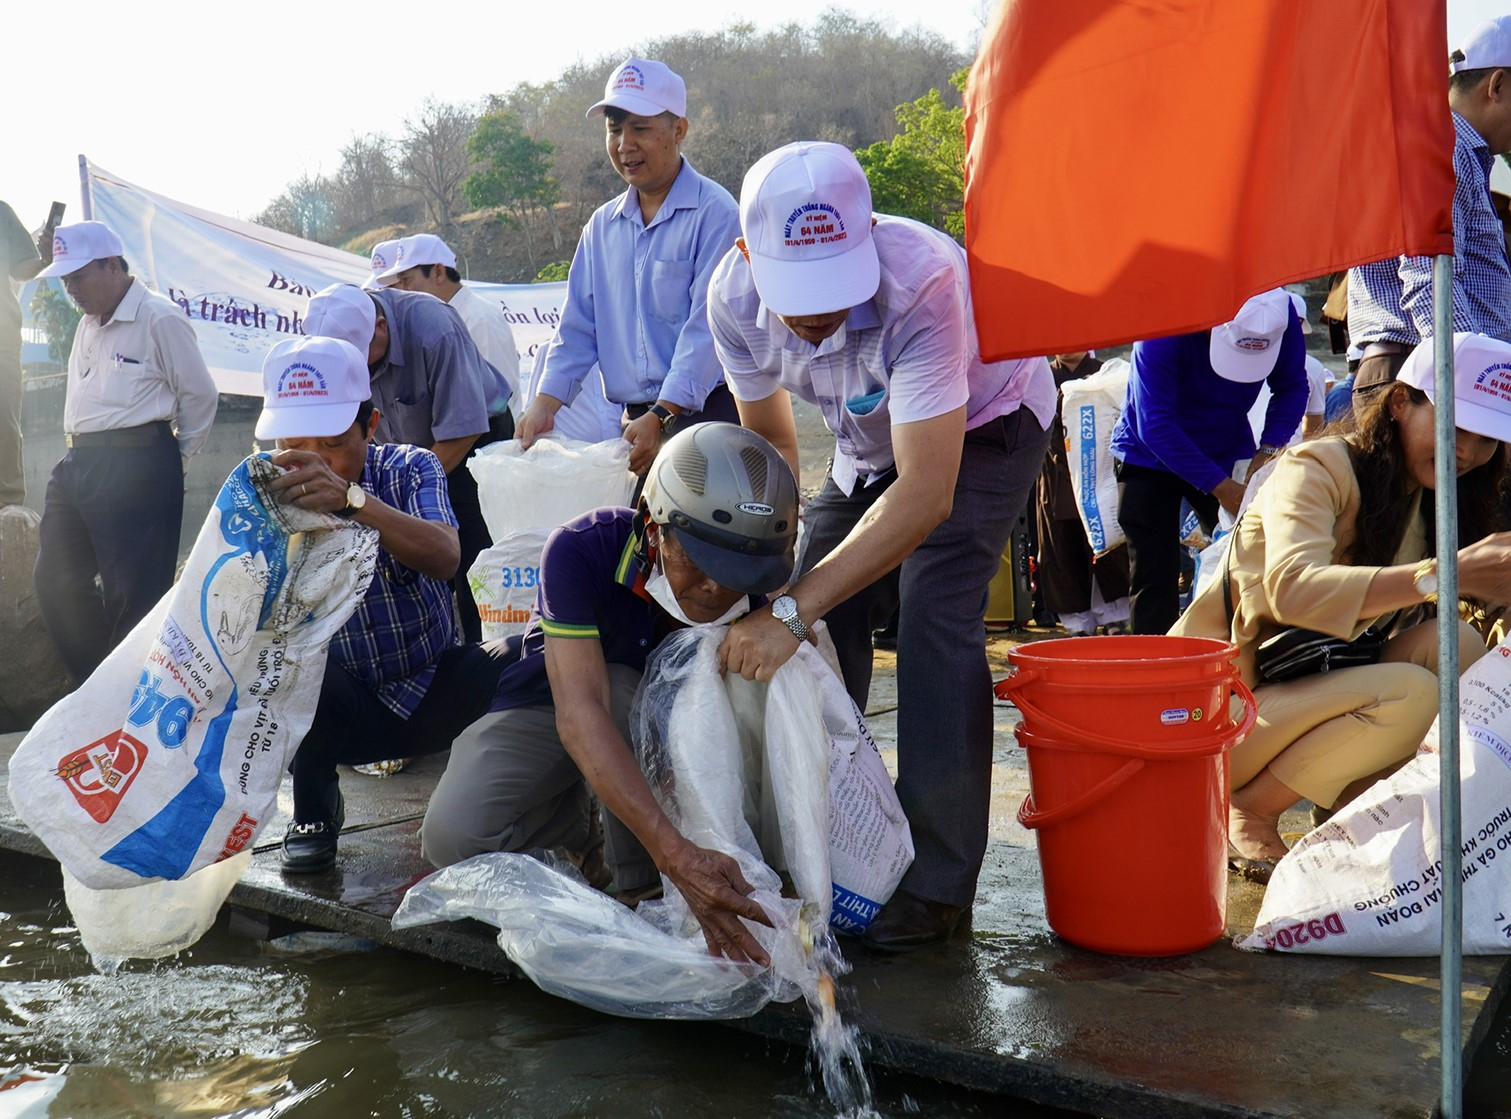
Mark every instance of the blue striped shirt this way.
pixel 1481 270
pixel 1374 305
pixel 406 620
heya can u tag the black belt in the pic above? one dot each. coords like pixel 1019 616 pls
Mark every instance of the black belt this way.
pixel 143 435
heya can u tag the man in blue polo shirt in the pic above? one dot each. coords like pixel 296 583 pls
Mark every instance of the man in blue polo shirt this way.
pixel 431 388
pixel 637 291
pixel 398 682
pixel 1185 427
pixel 715 530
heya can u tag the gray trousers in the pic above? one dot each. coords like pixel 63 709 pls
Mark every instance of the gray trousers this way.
pixel 944 714
pixel 510 785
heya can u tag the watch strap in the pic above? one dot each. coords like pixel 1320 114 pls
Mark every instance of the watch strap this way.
pixel 662 413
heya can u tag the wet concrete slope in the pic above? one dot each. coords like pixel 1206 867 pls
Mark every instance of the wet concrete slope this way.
pixel 1007 1007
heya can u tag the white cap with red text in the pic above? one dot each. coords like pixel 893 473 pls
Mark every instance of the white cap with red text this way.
pixel 805 210
pixel 311 388
pixel 382 260
pixel 74 246
pixel 1481 382
pixel 1246 349
pixel 645 88
pixel 422 248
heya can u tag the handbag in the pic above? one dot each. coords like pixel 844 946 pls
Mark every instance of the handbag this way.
pixel 1295 652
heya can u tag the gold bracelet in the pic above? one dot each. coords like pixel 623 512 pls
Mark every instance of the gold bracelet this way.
pixel 1425 580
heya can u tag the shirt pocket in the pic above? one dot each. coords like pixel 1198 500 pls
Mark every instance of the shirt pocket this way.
pixel 126 380
pixel 669 294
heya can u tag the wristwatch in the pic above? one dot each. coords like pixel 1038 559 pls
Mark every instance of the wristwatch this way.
pixel 1268 449
pixel 1425 580
pixel 662 413
pixel 784 610
pixel 356 497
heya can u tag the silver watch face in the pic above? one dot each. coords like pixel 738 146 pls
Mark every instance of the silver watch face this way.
pixel 784 607
pixel 356 497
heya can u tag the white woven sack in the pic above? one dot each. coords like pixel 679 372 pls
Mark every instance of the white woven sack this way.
pixel 505 580
pixel 1369 882
pixel 169 757
pixel 1090 410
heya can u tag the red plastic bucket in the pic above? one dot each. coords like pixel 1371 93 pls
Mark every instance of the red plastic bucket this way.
pixel 1127 741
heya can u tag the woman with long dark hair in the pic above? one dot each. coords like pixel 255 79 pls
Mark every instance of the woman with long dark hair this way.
pixel 1339 539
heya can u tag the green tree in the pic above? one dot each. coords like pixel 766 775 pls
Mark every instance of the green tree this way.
pixel 552 273
pixel 58 317
pixel 920 172
pixel 513 172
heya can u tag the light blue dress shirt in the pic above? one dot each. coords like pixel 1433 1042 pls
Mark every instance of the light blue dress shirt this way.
pixel 637 298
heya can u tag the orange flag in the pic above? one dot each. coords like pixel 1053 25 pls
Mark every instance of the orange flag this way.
pixel 1139 168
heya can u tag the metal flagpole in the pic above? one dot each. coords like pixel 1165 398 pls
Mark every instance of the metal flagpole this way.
pixel 87 198
pixel 1451 1096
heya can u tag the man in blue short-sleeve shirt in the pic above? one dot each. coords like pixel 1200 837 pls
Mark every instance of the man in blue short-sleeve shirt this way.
pixel 398 681
pixel 637 290
pixel 613 584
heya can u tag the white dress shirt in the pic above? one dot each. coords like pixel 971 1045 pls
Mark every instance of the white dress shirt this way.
pixel 492 336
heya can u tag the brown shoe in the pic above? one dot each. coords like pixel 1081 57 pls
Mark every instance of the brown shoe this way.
pixel 907 922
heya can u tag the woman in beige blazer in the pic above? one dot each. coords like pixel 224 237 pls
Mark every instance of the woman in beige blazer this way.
pixel 1337 539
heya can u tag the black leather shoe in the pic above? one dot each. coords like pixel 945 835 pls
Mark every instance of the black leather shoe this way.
pixel 908 922
pixel 311 848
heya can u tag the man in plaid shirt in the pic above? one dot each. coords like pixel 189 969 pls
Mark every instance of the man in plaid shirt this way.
pixel 398 682
pixel 1390 302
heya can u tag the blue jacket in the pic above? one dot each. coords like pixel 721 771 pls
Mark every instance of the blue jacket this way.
pixel 1183 417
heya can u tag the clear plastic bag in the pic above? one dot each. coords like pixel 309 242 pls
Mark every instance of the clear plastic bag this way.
pixel 552 482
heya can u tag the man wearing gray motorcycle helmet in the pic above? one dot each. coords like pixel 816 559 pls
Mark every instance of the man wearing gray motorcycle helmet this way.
pixel 714 533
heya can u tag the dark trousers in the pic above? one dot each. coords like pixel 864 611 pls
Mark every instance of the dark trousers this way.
pixel 1149 511
pixel 353 727
pixel 471 530
pixel 718 407
pixel 112 512
pixel 944 701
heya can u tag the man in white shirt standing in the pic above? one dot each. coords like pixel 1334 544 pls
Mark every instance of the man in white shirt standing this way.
pixel 935 454
pixel 426 263
pixel 140 402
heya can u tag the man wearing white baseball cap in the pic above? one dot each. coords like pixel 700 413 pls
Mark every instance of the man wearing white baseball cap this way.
pixel 398 682
pixel 1479 96
pixel 432 387
pixel 426 263
pixel 637 290
pixel 935 454
pixel 1185 428
pixel 139 403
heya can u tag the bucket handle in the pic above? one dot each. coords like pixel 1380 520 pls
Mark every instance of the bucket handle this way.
pixel 1031 817
pixel 1115 746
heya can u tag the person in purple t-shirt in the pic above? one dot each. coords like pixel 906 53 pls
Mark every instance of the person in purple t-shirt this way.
pixel 1185 427
pixel 715 531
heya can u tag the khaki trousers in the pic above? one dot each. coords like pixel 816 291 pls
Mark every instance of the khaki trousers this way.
pixel 1320 733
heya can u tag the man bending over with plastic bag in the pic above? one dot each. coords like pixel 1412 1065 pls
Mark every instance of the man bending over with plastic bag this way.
pixel 399 682
pixel 713 534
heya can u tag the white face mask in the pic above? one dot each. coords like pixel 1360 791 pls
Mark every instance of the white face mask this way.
pixel 660 590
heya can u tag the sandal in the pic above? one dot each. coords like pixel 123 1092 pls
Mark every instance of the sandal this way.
pixel 1252 870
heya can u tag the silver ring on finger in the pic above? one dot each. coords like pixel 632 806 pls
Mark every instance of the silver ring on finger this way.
pixel 303 488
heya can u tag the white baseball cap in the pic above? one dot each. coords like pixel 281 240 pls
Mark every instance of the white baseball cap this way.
pixel 805 210
pixel 645 88
pixel 311 388
pixel 1481 382
pixel 1298 301
pixel 422 248
pixel 74 246
pixel 342 311
pixel 1246 349
pixel 1487 47
pixel 382 258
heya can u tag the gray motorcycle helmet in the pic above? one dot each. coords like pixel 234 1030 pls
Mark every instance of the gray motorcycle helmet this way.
pixel 731 499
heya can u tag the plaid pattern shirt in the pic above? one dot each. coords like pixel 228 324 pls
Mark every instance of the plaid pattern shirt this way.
pixel 1481 270
pixel 1374 305
pixel 407 620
